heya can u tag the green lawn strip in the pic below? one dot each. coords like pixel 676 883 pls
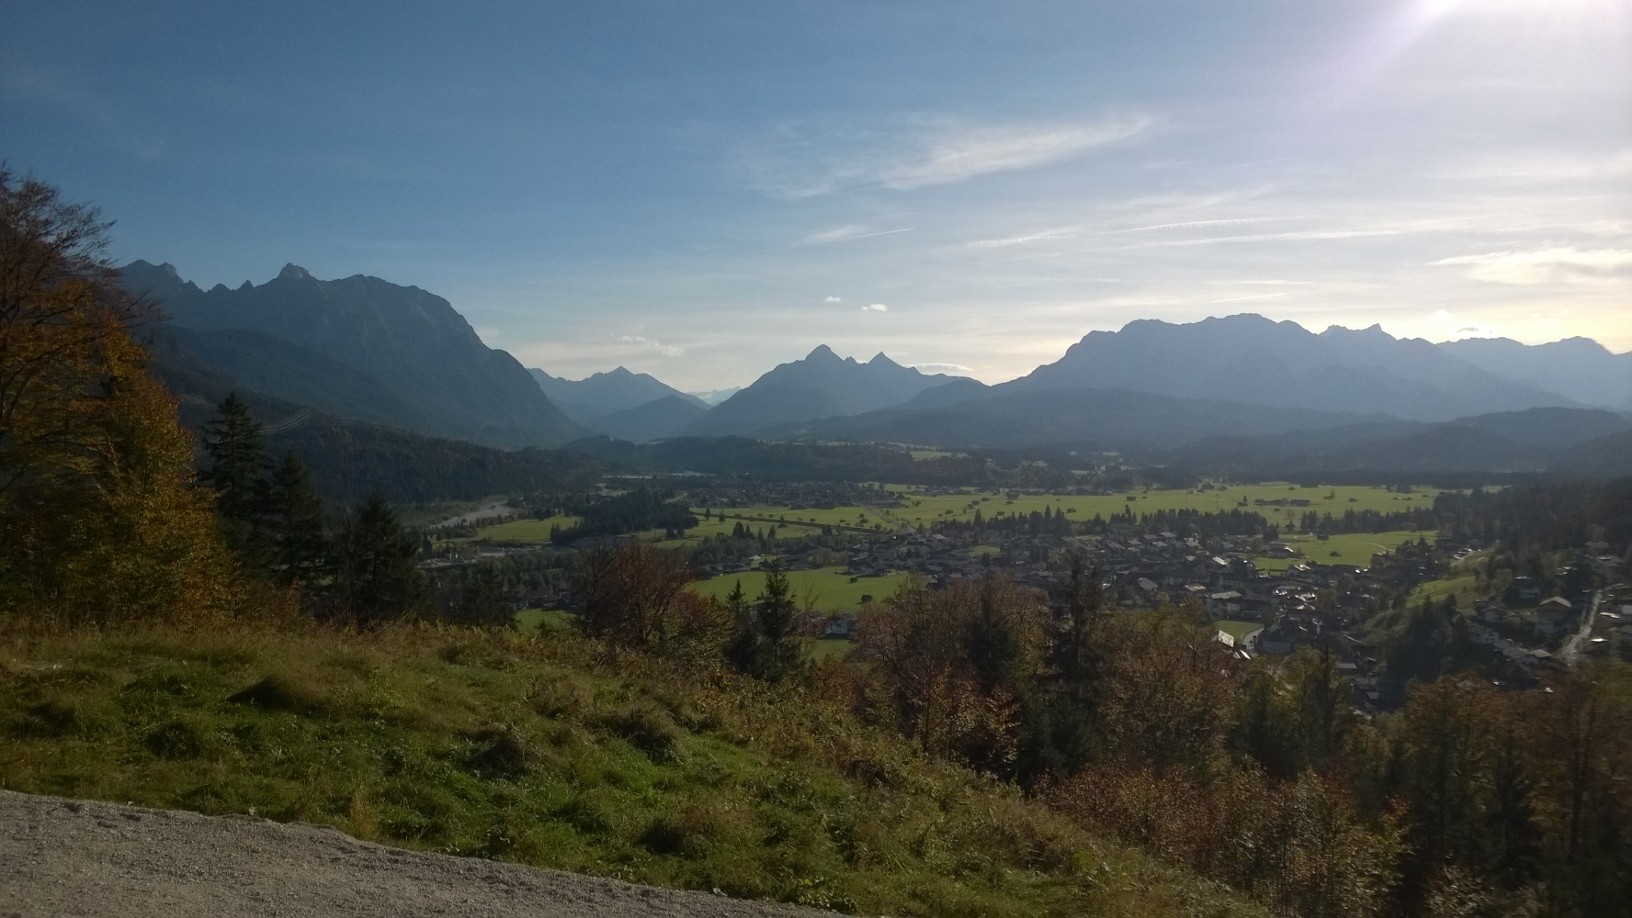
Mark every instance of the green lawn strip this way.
pixel 1352 549
pixel 1463 585
pixel 829 589
pixel 548 621
pixel 526 531
pixel 1236 629
pixel 923 508
pixel 758 516
pixel 554 753
pixel 829 648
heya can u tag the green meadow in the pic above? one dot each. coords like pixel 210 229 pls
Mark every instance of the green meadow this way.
pixel 757 515
pixel 1235 629
pixel 526 531
pixel 923 508
pixel 1349 549
pixel 827 589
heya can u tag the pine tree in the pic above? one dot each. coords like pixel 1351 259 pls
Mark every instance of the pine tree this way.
pixel 236 449
pixel 298 551
pixel 481 599
pixel 375 572
pixel 766 643
pixel 1073 668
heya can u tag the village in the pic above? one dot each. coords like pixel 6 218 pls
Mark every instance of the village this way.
pixel 1259 612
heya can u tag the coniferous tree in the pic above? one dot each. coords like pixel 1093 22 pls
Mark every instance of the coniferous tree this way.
pixel 481 599
pixel 236 448
pixel 1073 672
pixel 298 550
pixel 766 643
pixel 376 576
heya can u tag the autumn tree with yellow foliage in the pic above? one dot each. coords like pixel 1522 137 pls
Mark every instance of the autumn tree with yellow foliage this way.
pixel 99 517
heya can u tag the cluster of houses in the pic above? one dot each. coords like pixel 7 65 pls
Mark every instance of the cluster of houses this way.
pixel 1309 604
pixel 1306 604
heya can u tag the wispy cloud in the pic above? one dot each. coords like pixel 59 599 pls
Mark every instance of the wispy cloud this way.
pixel 1197 224
pixel 875 307
pixel 1025 239
pixel 1561 264
pixel 1544 167
pixel 851 232
pixel 1243 299
pixel 667 350
pixel 832 299
pixel 803 161
pixel 957 369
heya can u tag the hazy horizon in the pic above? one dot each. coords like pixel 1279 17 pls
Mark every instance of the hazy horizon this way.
pixel 701 193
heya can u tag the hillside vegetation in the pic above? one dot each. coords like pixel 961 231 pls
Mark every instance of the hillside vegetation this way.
pixel 554 752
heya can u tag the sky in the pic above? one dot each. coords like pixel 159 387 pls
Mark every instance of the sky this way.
pixel 702 190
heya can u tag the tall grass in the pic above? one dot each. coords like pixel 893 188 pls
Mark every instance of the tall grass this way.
pixel 552 751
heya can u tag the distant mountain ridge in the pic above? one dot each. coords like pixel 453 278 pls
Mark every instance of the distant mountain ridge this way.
pixel 1565 440
pixel 819 386
pixel 364 349
pixel 407 353
pixel 605 393
pixel 658 420
pixel 1579 368
pixel 637 407
pixel 1105 418
pixel 1253 360
pixel 712 397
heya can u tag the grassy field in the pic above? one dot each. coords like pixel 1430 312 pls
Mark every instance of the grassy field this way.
pixel 829 589
pixel 1463 584
pixel 1348 549
pixel 758 515
pixel 1237 629
pixel 526 532
pixel 923 508
pixel 556 754
pixel 829 648
pixel 545 621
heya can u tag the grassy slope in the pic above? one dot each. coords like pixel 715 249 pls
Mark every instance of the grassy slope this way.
pixel 553 753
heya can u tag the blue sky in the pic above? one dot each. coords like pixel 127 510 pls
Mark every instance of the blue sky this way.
pixel 703 190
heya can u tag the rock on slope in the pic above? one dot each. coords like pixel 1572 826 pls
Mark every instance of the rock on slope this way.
pixel 70 857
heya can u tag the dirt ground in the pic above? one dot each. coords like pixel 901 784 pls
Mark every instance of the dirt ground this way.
pixel 71 857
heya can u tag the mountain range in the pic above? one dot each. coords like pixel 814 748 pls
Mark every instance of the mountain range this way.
pixel 1241 389
pixel 821 385
pixel 629 406
pixel 1251 359
pixel 359 347
pixel 1577 368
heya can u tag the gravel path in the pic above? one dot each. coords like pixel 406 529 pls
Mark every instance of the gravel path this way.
pixel 71 857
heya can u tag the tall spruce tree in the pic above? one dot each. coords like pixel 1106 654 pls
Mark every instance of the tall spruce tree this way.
pixel 767 641
pixel 236 449
pixel 1073 671
pixel 376 577
pixel 297 549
